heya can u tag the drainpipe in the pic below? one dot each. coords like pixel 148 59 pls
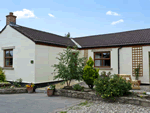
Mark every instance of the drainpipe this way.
pixel 119 60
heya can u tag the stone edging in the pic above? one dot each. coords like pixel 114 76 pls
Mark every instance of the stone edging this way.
pixel 13 90
pixel 92 96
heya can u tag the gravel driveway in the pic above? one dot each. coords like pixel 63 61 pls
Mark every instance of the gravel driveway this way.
pixel 103 107
pixel 33 103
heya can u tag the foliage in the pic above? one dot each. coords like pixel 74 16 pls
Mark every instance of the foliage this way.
pixel 70 66
pixel 30 85
pixel 83 103
pixel 77 87
pixel 136 70
pixel 51 87
pixel 144 93
pixel 2 75
pixel 103 74
pixel 90 73
pixel 67 35
pixel 110 87
pixel 17 83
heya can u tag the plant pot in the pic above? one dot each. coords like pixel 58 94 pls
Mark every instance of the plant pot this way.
pixel 139 81
pixel 50 92
pixel 30 89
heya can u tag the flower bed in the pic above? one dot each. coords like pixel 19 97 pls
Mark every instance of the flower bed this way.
pixel 92 96
pixel 13 90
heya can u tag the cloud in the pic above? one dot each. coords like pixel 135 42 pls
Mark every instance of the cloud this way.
pixel 112 13
pixel 51 15
pixel 116 22
pixel 25 13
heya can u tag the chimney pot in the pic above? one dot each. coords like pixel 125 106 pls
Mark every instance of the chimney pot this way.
pixel 10 18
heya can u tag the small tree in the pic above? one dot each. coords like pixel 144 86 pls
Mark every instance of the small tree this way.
pixel 70 66
pixel 90 73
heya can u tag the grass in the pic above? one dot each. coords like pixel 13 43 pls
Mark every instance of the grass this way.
pixel 83 103
pixel 63 112
pixel 4 83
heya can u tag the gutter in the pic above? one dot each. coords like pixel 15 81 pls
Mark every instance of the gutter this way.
pixel 119 59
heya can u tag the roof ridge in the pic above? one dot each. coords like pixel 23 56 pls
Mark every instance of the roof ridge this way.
pixel 112 33
pixel 42 31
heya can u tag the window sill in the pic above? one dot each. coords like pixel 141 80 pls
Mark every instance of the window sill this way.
pixel 8 68
pixel 104 68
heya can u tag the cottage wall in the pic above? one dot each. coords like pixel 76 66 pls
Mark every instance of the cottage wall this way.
pixel 23 52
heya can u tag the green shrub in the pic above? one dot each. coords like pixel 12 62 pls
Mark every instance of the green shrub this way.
pixel 110 87
pixel 2 75
pixel 90 73
pixel 77 87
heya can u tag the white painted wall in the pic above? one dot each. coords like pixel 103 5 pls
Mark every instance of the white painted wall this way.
pixel 44 59
pixel 22 54
pixel 146 77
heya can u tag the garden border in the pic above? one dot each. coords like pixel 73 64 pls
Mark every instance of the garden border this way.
pixel 92 96
pixel 13 90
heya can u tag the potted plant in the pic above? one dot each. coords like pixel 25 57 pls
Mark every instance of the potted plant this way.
pixel 50 90
pixel 30 87
pixel 136 70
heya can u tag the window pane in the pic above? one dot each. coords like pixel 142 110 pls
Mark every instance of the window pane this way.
pixel 106 62
pixel 98 62
pixel 11 61
pixel 11 53
pixel 98 55
pixel 7 62
pixel 106 55
pixel 7 54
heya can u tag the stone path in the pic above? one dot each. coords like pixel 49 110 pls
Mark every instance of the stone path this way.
pixel 103 107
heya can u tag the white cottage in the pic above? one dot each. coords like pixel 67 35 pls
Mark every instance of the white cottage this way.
pixel 29 54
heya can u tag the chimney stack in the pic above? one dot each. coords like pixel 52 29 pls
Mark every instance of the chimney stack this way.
pixel 10 18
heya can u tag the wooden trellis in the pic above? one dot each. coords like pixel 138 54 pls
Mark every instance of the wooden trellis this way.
pixel 137 58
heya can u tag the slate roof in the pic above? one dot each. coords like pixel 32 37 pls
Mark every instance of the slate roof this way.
pixel 136 37
pixel 43 37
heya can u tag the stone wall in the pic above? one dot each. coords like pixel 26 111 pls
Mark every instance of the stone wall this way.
pixel 13 90
pixel 94 97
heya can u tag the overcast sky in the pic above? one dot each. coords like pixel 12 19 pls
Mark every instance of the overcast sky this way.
pixel 79 17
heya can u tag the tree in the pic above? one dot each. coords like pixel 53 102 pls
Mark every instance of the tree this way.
pixel 70 66
pixel 90 73
pixel 67 35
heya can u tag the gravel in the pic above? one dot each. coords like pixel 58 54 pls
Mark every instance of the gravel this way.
pixel 103 107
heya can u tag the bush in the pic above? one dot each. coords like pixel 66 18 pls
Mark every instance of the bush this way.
pixel 90 73
pixel 110 87
pixel 2 75
pixel 77 87
pixel 17 83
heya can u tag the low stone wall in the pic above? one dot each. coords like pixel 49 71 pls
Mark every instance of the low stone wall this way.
pixel 94 97
pixel 13 90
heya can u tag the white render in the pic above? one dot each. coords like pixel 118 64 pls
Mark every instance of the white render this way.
pixel 45 57
pixel 23 52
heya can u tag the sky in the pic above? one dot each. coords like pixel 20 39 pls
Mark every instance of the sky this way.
pixel 79 17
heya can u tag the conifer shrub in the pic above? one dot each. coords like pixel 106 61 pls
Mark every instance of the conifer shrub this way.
pixel 90 73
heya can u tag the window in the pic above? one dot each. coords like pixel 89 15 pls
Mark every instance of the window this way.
pixel 8 58
pixel 102 59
